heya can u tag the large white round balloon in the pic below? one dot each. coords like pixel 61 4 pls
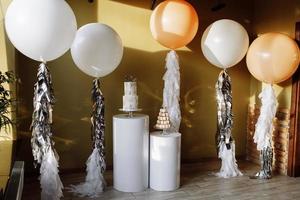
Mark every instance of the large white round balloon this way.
pixel 97 49
pixel 224 43
pixel 41 29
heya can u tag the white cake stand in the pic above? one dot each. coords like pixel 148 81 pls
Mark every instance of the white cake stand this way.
pixel 130 111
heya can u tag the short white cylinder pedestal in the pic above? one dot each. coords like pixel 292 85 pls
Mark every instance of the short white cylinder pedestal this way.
pixel 130 152
pixel 165 161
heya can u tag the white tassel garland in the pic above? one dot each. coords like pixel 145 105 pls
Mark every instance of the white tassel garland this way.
pixel 171 92
pixel 229 167
pixel 94 181
pixel 264 126
pixel 50 182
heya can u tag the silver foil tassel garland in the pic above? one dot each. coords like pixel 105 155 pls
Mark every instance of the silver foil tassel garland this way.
pixel 94 182
pixel 42 145
pixel 224 140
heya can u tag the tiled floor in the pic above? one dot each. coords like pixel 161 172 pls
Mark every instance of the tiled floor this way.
pixel 197 182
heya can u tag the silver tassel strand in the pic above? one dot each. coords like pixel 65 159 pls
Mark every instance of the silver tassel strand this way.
pixel 224 140
pixel 42 145
pixel 94 182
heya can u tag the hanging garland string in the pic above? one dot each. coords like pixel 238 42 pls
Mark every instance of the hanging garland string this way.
pixel 95 166
pixel 224 140
pixel 42 144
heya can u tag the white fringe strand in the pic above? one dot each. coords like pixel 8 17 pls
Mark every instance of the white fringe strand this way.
pixel 94 181
pixel 229 166
pixel 264 126
pixel 171 92
pixel 51 184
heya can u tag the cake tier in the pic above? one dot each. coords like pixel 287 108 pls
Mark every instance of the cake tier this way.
pixel 130 88
pixel 130 102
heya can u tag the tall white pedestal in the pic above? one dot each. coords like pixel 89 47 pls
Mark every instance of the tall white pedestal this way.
pixel 165 161
pixel 130 152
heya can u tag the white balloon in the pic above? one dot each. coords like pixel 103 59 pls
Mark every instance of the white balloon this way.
pixel 97 49
pixel 224 43
pixel 41 29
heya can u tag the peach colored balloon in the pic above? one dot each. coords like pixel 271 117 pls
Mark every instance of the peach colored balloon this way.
pixel 273 57
pixel 174 23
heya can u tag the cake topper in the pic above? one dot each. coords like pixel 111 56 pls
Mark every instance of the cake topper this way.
pixel 130 78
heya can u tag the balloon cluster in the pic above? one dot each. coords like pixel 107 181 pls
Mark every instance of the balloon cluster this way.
pixel 45 30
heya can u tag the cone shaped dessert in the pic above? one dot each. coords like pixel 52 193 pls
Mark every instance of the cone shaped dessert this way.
pixel 163 120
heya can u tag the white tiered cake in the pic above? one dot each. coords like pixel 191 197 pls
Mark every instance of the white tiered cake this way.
pixel 130 99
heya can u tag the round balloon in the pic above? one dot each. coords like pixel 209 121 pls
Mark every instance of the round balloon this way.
pixel 174 23
pixel 42 30
pixel 224 43
pixel 97 49
pixel 273 57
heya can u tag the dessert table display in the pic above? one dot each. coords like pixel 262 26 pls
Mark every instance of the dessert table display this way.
pixel 130 144
pixel 165 161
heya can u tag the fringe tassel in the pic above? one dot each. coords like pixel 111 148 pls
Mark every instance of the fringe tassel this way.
pixel 229 167
pixel 41 142
pixel 50 181
pixel 264 126
pixel 224 140
pixel 263 131
pixel 94 182
pixel 171 92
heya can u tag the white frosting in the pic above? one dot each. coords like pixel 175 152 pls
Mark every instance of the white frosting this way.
pixel 130 88
pixel 130 99
pixel 130 102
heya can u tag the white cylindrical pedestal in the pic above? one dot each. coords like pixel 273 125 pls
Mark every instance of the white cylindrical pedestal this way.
pixel 165 161
pixel 130 152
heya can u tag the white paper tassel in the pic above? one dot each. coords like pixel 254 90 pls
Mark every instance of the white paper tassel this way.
pixel 229 166
pixel 50 182
pixel 94 182
pixel 171 93
pixel 264 126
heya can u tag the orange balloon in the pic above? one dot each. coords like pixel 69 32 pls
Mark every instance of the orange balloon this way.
pixel 174 23
pixel 273 57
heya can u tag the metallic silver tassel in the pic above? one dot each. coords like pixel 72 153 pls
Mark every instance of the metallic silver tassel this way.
pixel 95 166
pixel 98 122
pixel 43 150
pixel 225 143
pixel 43 102
pixel 225 116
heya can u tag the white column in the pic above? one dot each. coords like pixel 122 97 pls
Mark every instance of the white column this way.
pixel 130 152
pixel 165 161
